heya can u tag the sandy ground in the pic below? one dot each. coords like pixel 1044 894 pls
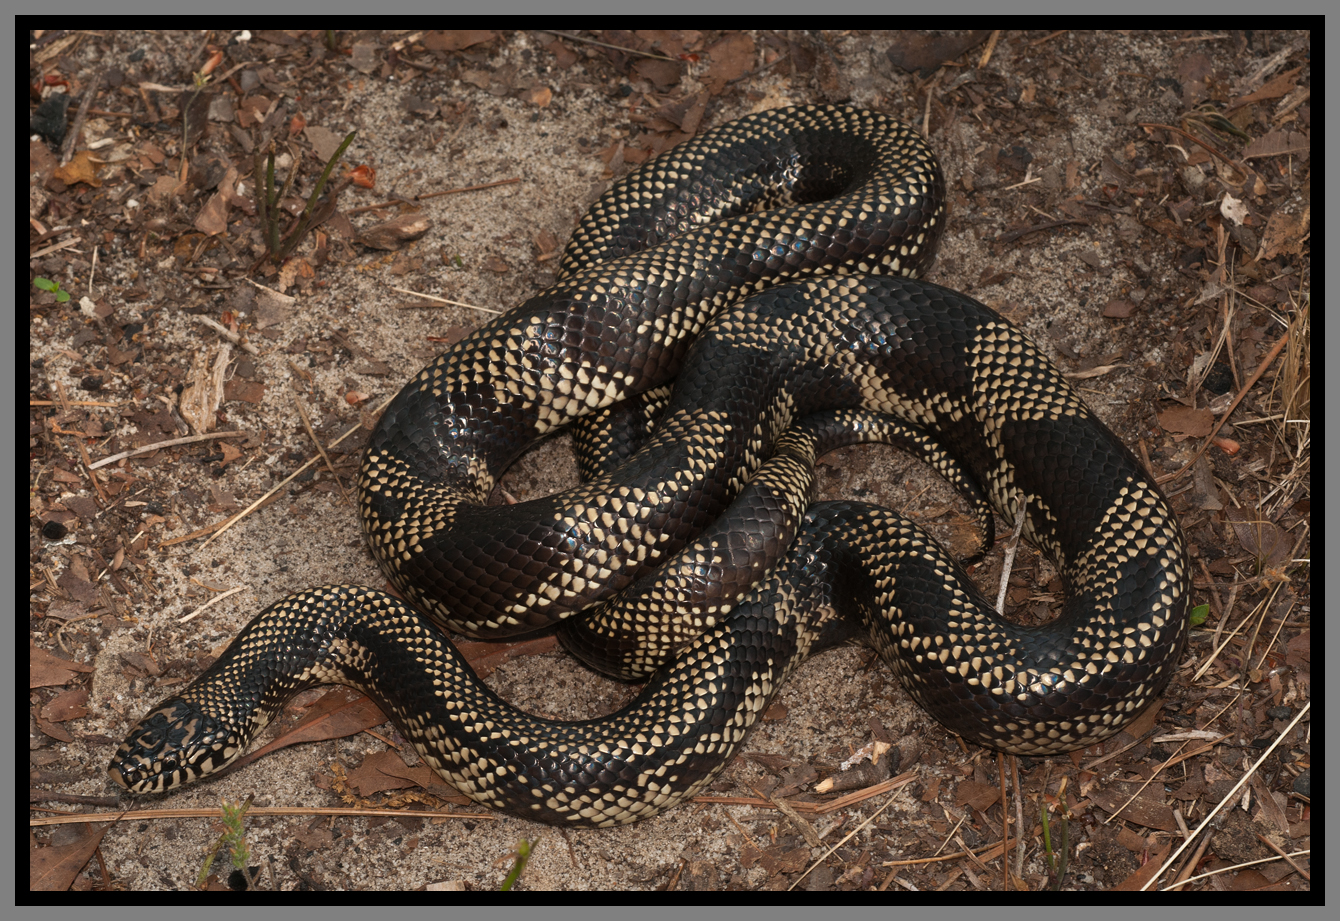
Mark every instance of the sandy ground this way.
pixel 1053 284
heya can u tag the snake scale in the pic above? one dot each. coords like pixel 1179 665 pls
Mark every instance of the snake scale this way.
pixel 766 269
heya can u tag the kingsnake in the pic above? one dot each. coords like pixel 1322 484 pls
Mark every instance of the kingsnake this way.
pixel 767 259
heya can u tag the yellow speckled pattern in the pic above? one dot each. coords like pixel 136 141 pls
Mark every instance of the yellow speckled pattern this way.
pixel 791 331
pixel 657 257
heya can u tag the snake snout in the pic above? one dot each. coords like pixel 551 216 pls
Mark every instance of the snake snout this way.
pixel 174 745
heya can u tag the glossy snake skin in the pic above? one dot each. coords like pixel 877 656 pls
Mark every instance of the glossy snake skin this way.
pixel 785 331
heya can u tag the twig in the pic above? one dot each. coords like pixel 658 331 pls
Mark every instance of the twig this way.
pixel 1286 857
pixel 1018 816
pixel 1005 825
pixel 1263 608
pixel 1246 388
pixel 56 247
pixel 1010 549
pixel 1250 863
pixel 940 858
pixel 72 137
pixel 158 445
pixel 1242 168
pixel 991 40
pixel 854 831
pixel 592 41
pixel 221 528
pixel 433 297
pixel 97 487
pixel 468 188
pixel 70 403
pixel 311 433
pixel 215 600
pixel 1230 798
pixel 213 812
pixel 427 195
pixel 1036 228
pixel 228 334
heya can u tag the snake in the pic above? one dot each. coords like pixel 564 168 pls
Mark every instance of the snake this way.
pixel 760 282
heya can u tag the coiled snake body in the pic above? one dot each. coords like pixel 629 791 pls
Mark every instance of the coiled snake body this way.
pixel 794 327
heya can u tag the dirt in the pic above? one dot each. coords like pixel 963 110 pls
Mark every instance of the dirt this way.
pixel 1117 244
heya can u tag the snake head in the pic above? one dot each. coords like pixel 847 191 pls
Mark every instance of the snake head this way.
pixel 174 745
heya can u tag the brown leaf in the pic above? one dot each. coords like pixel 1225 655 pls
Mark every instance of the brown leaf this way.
pixel 334 716
pixel 456 39
pixel 479 78
pixel 251 110
pixel 669 42
pixel 75 581
pixel 1194 71
pixel 395 233
pixel 275 37
pixel 773 764
pixel 1249 880
pixel 141 662
pixel 1146 810
pixel 485 657
pixel 1183 420
pixel 54 730
pixel 1266 541
pixel 664 74
pixel 41 161
pixel 364 57
pixel 1146 873
pixel 46 670
pixel 918 51
pixel 1300 650
pixel 732 58
pixel 81 168
pixel 777 860
pixel 539 95
pixel 1277 88
pixel 1132 840
pixel 564 57
pixel 165 188
pixel 1278 143
pixel 71 705
pixel 1284 234
pixel 693 114
pixel 546 243
pixel 1118 309
pixel 386 770
pixel 312 837
pixel 244 390
pixel 53 869
pixel 324 141
pixel 213 218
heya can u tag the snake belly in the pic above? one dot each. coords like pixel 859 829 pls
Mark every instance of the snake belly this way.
pixel 754 362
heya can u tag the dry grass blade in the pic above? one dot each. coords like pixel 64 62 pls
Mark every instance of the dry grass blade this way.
pixel 1230 798
pixel 1295 382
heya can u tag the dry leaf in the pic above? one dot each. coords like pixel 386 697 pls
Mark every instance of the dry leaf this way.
pixel 81 168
